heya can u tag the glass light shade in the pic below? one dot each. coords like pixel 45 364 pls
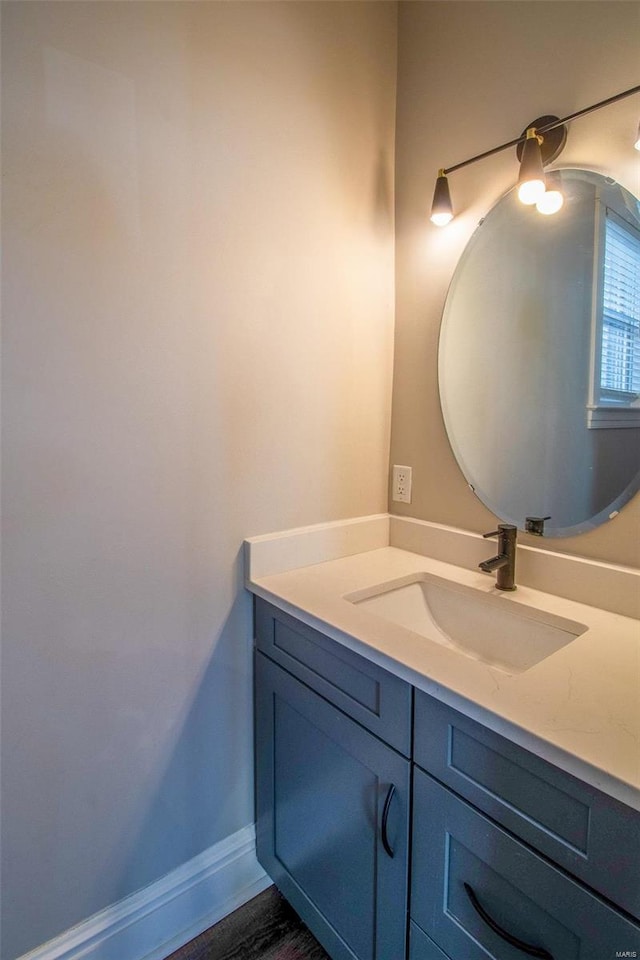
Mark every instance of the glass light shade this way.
pixel 441 209
pixel 531 184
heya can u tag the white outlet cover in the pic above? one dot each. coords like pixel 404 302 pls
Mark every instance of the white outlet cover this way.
pixel 401 484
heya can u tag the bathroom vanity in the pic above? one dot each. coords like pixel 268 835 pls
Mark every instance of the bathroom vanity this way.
pixel 413 801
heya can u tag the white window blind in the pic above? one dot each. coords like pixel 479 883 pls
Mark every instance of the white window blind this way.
pixel 620 351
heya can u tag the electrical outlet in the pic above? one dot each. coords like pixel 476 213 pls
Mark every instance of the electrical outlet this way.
pixel 401 484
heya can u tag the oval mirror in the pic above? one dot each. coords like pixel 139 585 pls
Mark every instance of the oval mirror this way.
pixel 539 357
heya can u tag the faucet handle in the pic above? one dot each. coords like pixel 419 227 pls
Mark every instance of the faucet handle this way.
pixel 535 525
pixel 503 528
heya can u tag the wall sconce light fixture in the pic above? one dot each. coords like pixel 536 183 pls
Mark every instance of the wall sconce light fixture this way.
pixel 538 145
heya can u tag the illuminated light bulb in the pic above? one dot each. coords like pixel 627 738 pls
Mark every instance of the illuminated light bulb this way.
pixel 441 219
pixel 531 192
pixel 553 198
pixel 550 202
pixel 441 209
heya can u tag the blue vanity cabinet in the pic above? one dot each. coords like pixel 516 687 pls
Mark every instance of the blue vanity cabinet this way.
pixel 589 834
pixel 480 893
pixel 332 805
pixel 509 855
pixel 512 857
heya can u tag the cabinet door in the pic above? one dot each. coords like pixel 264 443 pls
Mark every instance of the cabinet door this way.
pixel 479 893
pixel 332 819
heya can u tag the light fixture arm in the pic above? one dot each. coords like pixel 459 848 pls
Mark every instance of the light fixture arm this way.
pixel 594 106
pixel 543 129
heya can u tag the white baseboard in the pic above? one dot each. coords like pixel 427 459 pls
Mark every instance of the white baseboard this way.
pixel 159 919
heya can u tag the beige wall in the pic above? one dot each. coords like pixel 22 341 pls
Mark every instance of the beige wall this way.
pixel 470 76
pixel 198 310
pixel 198 324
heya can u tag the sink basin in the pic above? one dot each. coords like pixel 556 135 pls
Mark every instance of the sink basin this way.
pixel 496 630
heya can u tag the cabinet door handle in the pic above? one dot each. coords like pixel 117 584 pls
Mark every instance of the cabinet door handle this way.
pixel 520 944
pixel 385 817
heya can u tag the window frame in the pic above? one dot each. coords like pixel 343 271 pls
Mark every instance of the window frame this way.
pixel 606 409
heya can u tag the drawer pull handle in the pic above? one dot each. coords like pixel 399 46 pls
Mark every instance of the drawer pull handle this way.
pixel 385 817
pixel 520 944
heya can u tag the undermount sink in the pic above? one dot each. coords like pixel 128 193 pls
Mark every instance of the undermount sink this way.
pixel 496 630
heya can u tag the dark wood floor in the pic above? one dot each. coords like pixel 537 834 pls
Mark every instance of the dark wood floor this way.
pixel 266 928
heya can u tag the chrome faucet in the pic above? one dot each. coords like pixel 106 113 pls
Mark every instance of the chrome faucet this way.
pixel 505 560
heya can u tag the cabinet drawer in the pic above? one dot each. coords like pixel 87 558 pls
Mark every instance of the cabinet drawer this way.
pixel 460 855
pixel 376 699
pixel 593 836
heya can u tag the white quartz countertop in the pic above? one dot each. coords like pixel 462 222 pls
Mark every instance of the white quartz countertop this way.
pixel 579 708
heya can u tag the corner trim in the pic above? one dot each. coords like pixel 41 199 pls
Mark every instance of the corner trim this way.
pixel 163 916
